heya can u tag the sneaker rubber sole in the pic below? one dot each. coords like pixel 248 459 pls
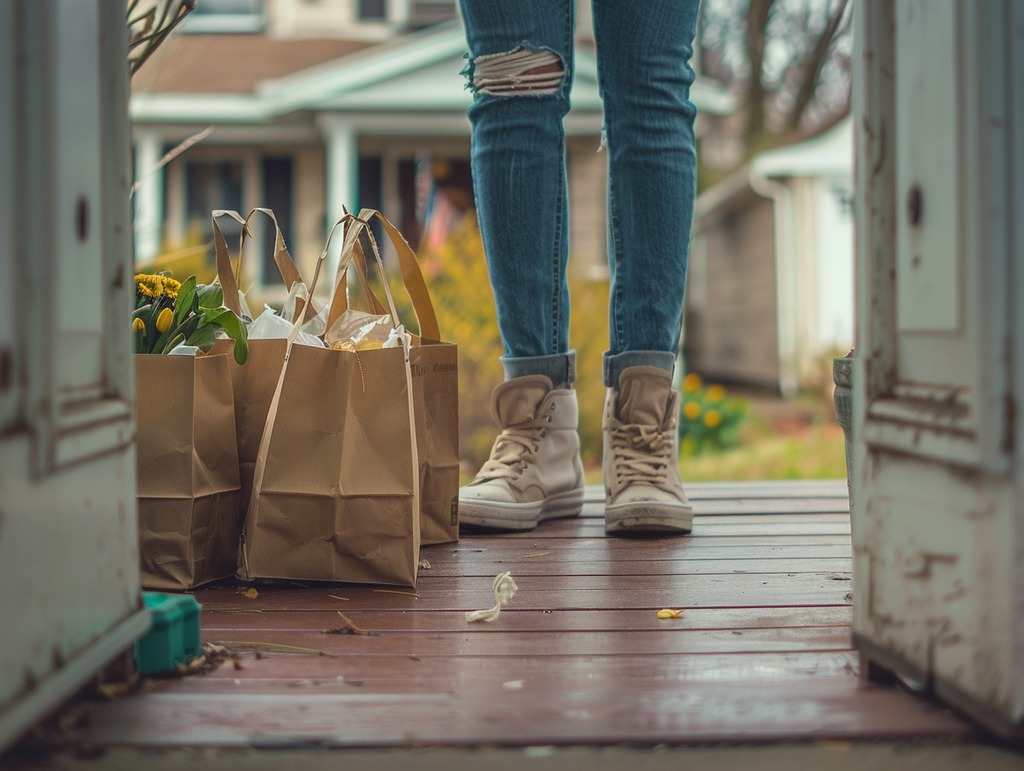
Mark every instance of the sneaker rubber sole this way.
pixel 650 519
pixel 520 516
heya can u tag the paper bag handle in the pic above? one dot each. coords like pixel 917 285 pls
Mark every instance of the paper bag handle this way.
pixel 228 276
pixel 225 271
pixel 412 278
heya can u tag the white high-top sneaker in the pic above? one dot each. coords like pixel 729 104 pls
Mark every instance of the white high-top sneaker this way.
pixel 534 472
pixel 643 490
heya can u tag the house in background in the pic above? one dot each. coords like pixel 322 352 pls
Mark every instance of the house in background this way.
pixel 318 105
pixel 770 296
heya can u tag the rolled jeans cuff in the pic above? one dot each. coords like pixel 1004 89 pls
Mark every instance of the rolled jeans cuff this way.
pixel 560 367
pixel 614 365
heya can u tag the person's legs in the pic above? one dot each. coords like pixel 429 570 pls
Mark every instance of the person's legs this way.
pixel 520 72
pixel 643 58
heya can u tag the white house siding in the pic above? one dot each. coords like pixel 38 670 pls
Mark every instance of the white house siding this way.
pixel 834 241
pixel 790 210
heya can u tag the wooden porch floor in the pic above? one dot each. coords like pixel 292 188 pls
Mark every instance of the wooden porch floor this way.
pixel 761 651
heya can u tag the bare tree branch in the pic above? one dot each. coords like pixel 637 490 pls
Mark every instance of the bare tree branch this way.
pixel 812 65
pixel 757 21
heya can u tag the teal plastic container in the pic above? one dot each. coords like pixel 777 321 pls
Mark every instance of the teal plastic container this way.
pixel 173 637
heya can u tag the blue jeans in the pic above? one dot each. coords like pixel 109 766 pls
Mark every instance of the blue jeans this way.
pixel 520 71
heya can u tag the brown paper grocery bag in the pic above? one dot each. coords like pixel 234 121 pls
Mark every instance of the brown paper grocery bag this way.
pixel 187 462
pixel 435 373
pixel 254 381
pixel 336 484
pixel 435 377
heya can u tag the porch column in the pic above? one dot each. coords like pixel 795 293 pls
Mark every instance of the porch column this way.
pixel 149 204
pixel 342 177
pixel 398 12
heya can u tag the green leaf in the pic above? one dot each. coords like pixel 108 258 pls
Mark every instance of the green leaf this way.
pixel 152 336
pixel 160 346
pixel 210 296
pixel 204 337
pixel 172 343
pixel 225 318
pixel 185 301
pixel 190 324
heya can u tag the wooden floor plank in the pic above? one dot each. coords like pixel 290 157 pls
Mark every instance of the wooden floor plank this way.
pixel 780 507
pixel 617 548
pixel 220 624
pixel 567 554
pixel 549 563
pixel 488 714
pixel 557 593
pixel 554 641
pixel 413 674
pixel 718 528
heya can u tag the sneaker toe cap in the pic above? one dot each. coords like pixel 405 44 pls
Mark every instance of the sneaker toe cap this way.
pixel 638 493
pixel 488 491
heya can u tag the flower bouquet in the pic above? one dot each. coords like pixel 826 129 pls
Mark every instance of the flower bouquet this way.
pixel 169 313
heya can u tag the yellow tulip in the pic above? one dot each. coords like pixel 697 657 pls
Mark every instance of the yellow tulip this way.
pixel 712 418
pixel 691 410
pixel 164 320
pixel 138 325
pixel 692 382
pixel 716 393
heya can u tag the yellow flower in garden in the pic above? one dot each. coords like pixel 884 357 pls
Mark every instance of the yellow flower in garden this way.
pixel 712 418
pixel 138 325
pixel 164 320
pixel 691 410
pixel 692 382
pixel 716 393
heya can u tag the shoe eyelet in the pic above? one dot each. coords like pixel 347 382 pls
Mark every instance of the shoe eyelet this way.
pixel 553 405
pixel 549 418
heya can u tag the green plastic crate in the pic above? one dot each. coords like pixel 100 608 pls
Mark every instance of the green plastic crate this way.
pixel 174 636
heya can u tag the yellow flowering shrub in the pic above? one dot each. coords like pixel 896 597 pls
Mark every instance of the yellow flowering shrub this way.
pixel 710 419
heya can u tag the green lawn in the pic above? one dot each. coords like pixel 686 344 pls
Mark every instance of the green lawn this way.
pixel 818 452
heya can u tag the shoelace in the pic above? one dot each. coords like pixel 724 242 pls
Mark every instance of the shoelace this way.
pixel 514 449
pixel 641 454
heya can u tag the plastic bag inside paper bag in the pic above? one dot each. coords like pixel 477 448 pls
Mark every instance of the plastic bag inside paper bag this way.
pixel 359 330
pixel 271 326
